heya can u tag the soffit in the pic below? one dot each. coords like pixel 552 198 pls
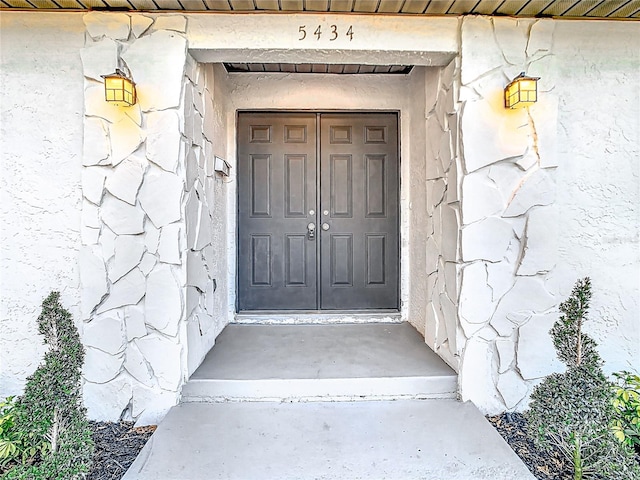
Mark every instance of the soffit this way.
pixel 338 69
pixel 591 9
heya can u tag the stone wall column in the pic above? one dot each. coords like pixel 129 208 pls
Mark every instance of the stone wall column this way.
pixel 133 230
pixel 508 244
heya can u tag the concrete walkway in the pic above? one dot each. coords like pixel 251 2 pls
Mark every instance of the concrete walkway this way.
pixel 383 407
pixel 401 440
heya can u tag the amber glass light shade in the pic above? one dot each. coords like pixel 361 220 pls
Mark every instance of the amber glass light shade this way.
pixel 521 92
pixel 119 89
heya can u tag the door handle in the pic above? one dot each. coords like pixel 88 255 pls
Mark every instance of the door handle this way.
pixel 325 226
pixel 311 230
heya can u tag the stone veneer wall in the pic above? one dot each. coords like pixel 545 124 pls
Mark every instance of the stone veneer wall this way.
pixel 204 137
pixel 508 221
pixel 147 259
pixel 442 215
pixel 496 211
pixel 514 272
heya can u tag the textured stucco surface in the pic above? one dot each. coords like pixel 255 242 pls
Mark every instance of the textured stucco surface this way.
pixel 599 199
pixel 549 195
pixel 41 103
pixel 277 38
pixel 501 211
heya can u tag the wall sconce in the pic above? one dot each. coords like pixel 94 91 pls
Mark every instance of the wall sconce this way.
pixel 119 88
pixel 521 92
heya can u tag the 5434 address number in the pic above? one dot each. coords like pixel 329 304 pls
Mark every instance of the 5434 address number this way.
pixel 333 32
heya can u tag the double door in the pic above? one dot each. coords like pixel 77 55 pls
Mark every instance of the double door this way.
pixel 317 211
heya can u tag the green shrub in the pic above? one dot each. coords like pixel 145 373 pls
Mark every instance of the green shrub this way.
pixel 16 444
pixel 626 402
pixel 574 410
pixel 9 439
pixel 49 419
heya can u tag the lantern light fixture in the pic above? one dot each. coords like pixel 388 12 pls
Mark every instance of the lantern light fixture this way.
pixel 521 92
pixel 119 88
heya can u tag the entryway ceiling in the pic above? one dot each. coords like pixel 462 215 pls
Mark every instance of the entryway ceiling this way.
pixel 350 69
pixel 518 8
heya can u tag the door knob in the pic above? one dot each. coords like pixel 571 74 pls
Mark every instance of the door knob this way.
pixel 325 226
pixel 311 230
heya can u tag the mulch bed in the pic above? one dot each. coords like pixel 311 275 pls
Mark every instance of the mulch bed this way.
pixel 545 465
pixel 117 446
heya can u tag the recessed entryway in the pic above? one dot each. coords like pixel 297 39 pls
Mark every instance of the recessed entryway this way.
pixel 318 211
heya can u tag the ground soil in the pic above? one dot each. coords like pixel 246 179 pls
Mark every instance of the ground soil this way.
pixel 544 465
pixel 117 446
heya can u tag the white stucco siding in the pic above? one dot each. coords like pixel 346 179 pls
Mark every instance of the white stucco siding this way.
pixel 549 194
pixel 598 77
pixel 292 38
pixel 501 211
pixel 41 105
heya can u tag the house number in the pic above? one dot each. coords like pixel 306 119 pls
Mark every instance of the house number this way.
pixel 333 32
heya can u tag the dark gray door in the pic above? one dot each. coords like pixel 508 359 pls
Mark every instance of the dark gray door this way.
pixel 359 207
pixel 276 191
pixel 317 212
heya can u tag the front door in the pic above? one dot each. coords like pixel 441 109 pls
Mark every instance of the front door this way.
pixel 317 211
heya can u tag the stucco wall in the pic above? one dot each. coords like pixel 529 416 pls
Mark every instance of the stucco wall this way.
pixel 549 195
pixel 41 104
pixel 598 193
pixel 504 209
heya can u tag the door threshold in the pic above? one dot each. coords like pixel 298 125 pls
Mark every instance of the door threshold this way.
pixel 314 317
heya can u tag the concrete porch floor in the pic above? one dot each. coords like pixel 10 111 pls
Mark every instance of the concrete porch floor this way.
pixel 320 362
pixel 367 401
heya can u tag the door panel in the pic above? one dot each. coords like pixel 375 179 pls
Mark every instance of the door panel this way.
pixel 260 185
pixel 295 261
pixel 359 181
pixel 280 194
pixel 295 186
pixel 276 191
pixel 341 186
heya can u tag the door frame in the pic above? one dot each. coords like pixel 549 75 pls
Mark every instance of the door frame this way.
pixel 318 112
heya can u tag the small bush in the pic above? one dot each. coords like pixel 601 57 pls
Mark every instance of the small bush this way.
pixel 48 422
pixel 16 444
pixel 626 402
pixel 574 410
pixel 9 439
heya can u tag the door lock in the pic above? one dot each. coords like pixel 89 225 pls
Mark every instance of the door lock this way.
pixel 311 230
